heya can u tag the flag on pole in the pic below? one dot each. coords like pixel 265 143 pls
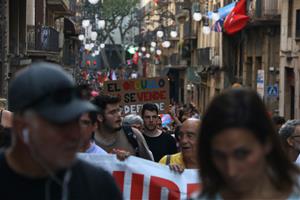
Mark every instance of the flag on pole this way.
pixel 237 19
pixel 218 26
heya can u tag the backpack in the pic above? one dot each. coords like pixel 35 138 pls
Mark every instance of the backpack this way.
pixel 131 138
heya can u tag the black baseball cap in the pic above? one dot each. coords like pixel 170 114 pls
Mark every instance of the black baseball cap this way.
pixel 49 90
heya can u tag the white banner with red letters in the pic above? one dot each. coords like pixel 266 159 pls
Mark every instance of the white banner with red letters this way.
pixel 142 179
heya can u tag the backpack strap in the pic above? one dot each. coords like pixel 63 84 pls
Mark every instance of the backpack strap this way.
pixel 131 138
pixel 168 159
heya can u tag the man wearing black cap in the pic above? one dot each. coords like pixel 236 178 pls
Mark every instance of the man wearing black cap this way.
pixel 41 163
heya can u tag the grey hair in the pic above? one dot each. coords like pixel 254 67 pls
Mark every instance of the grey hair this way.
pixel 132 119
pixel 288 128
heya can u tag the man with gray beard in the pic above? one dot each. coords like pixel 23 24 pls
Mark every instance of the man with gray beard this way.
pixel 112 136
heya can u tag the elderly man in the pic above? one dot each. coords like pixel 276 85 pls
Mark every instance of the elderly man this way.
pixel 290 137
pixel 187 158
pixel 41 162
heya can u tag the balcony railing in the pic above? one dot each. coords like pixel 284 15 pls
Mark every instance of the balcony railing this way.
pixel 60 5
pixel 203 56
pixel 264 8
pixel 42 38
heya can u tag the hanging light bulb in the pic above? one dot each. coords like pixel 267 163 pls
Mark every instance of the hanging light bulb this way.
pixel 158 52
pixel 97 52
pixel 173 34
pixel 140 54
pixel 94 35
pixel 152 49
pixel 93 54
pixel 153 44
pixel 197 16
pixel 88 47
pixel 166 44
pixel 81 37
pixel 85 23
pixel 143 49
pixel 101 24
pixel 206 29
pixel 160 34
pixel 102 45
pixel 148 55
pixel 93 1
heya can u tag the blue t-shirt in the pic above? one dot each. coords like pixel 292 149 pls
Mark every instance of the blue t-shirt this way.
pixel 96 149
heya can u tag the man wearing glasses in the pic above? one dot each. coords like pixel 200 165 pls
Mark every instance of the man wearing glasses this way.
pixel 290 137
pixel 160 143
pixel 88 125
pixel 111 136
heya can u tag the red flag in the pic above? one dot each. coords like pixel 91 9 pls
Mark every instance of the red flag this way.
pixel 237 18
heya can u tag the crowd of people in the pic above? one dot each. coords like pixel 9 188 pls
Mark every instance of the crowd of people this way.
pixel 241 152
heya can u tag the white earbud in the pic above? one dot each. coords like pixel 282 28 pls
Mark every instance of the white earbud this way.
pixel 25 134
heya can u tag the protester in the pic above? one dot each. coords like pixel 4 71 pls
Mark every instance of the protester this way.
pixel 160 143
pixel 134 120
pixel 290 137
pixel 240 155
pixel 111 136
pixel 278 122
pixel 187 158
pixel 88 125
pixel 41 162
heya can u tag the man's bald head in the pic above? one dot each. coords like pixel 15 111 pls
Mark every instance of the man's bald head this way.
pixel 193 123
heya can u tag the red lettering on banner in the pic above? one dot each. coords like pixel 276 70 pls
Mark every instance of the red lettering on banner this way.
pixel 156 183
pixel 119 178
pixel 193 187
pixel 137 186
pixel 151 96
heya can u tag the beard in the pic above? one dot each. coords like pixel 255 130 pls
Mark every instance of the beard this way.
pixel 109 126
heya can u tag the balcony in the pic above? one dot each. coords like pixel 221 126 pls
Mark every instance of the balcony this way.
pixel 262 11
pixel 42 39
pixel 60 6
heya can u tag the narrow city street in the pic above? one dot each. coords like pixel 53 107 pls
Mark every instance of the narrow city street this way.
pixel 149 99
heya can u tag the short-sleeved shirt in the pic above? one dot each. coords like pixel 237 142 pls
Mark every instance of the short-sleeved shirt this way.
pixel 174 159
pixel 164 144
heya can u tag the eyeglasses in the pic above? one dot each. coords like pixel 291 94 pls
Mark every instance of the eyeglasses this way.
pixel 84 122
pixel 115 111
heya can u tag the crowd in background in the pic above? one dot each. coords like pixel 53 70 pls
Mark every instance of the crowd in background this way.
pixel 234 136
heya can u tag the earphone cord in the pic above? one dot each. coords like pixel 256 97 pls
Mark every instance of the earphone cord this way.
pixel 64 185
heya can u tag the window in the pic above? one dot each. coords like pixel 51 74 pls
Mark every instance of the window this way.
pixel 297 23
